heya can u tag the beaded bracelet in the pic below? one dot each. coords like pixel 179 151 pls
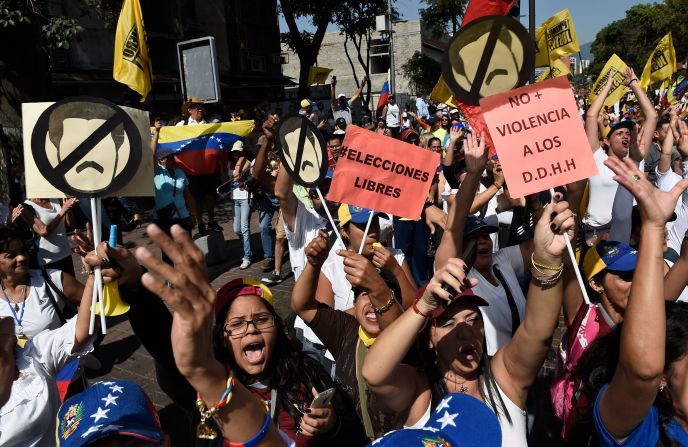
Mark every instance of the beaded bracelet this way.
pixel 387 306
pixel 203 431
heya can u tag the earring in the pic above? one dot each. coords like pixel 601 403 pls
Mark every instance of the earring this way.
pixel 661 387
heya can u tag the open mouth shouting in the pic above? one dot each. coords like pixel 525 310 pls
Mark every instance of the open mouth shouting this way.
pixel 254 352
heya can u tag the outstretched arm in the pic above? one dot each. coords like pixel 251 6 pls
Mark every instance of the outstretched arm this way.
pixel 648 128
pixel 192 298
pixel 360 89
pixel 452 239
pixel 593 112
pixel 633 388
pixel 516 364
pixel 259 168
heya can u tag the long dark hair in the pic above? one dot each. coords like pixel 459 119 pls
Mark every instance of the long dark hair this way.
pixel 489 392
pixel 597 366
pixel 292 371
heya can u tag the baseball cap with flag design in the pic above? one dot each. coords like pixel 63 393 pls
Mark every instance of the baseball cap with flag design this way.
pixel 609 255
pixel 459 421
pixel 116 408
pixel 355 214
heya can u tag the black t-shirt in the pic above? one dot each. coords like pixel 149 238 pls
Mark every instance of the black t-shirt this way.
pixel 338 331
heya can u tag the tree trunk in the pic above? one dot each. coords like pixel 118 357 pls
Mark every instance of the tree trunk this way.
pixel 348 56
pixel 306 59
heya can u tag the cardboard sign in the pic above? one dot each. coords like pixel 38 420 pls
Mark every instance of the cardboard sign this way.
pixel 539 136
pixel 303 150
pixel 491 55
pixel 383 174
pixel 86 147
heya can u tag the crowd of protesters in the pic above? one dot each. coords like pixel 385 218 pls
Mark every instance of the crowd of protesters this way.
pixel 435 332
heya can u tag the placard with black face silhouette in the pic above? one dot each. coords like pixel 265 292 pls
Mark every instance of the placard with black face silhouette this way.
pixel 491 55
pixel 86 147
pixel 303 150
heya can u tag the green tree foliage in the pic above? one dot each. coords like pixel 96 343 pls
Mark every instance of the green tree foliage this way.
pixel 635 36
pixel 440 16
pixel 305 44
pixel 422 72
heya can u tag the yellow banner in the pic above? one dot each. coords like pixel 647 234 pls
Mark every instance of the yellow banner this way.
pixel 318 75
pixel 618 88
pixel 558 68
pixel 556 37
pixel 132 65
pixel 442 93
pixel 661 64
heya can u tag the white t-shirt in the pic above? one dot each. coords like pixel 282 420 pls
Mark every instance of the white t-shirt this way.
pixel 55 246
pixel 39 313
pixel 393 116
pixel 306 227
pixel 497 316
pixel 28 418
pixel 602 189
pixel 333 269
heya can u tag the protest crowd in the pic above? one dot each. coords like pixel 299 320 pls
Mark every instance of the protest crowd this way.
pixel 429 325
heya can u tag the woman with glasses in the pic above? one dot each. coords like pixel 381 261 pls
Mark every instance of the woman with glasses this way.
pixel 251 338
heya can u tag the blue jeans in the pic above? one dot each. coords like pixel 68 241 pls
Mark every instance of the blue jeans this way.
pixel 411 237
pixel 267 210
pixel 242 219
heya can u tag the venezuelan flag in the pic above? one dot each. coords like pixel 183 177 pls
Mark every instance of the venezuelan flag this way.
pixel 199 147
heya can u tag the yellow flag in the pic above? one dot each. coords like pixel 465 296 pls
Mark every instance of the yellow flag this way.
pixel 132 65
pixel 442 93
pixel 661 64
pixel 318 75
pixel 556 37
pixel 618 88
pixel 558 68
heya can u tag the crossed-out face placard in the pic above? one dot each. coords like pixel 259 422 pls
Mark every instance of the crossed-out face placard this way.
pixel 491 55
pixel 303 150
pixel 86 147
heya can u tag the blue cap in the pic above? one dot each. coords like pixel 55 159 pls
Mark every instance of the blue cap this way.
pixel 475 224
pixel 609 255
pixel 118 408
pixel 459 421
pixel 163 153
pixel 355 214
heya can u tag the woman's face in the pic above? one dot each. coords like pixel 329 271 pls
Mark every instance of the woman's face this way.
pixel 445 122
pixel 14 260
pixel 363 311
pixel 354 232
pixel 483 250
pixel 616 287
pixel 458 338
pixel 253 350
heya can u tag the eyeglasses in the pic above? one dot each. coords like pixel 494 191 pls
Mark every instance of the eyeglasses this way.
pixel 237 327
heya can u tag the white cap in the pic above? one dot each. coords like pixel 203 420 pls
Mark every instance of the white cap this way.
pixel 238 146
pixel 454 111
pixel 341 95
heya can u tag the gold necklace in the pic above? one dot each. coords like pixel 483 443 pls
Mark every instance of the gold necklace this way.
pixel 462 385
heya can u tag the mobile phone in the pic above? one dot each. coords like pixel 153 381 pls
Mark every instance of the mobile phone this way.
pixel 322 399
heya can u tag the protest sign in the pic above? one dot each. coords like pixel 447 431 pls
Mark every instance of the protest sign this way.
pixel 539 137
pixel 556 37
pixel 614 67
pixel 86 147
pixel 661 64
pixel 303 150
pixel 492 54
pixel 382 174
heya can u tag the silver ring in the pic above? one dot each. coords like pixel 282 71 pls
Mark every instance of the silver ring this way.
pixel 635 177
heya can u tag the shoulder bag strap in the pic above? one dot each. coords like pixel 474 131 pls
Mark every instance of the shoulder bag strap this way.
pixel 49 285
pixel 515 319
pixel 362 395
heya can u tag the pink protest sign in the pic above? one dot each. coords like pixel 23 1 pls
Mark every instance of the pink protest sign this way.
pixel 539 136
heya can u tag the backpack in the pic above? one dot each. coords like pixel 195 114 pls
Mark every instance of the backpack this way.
pixel 588 325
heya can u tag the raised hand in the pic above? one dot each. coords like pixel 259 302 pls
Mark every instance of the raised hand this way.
pixel 549 241
pixel 360 272
pixel 268 127
pixel 185 288
pixel 383 259
pixel 656 206
pixel 317 250
pixel 452 274
pixel 630 76
pixel 475 154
